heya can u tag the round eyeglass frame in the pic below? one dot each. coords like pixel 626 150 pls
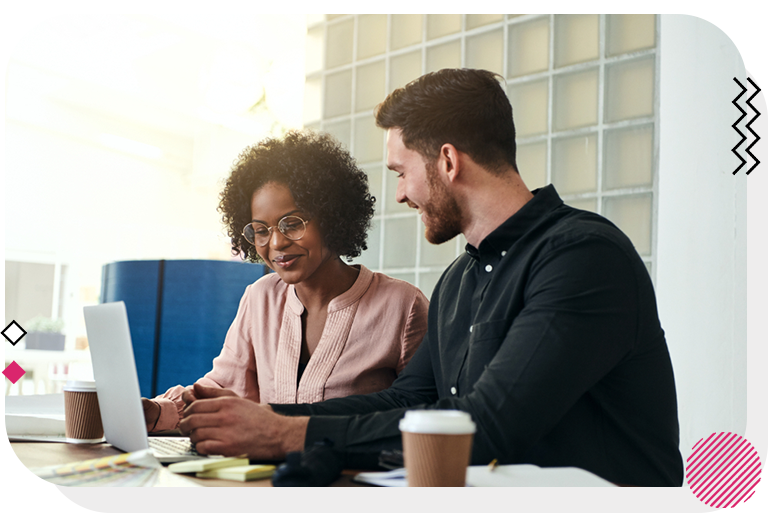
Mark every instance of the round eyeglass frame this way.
pixel 280 227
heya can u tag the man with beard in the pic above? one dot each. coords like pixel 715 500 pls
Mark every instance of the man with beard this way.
pixel 545 331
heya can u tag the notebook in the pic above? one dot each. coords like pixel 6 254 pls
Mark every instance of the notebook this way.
pixel 117 385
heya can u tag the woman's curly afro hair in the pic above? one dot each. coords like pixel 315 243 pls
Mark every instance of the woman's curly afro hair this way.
pixel 325 183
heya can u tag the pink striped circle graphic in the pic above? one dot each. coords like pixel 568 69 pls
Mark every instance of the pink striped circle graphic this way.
pixel 723 470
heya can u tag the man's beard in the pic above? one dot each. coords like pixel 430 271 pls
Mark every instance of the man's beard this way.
pixel 442 218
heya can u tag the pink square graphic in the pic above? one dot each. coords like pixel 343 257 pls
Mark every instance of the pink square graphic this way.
pixel 753 498
pixel 14 372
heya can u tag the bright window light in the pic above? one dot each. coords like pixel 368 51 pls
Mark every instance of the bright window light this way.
pixel 130 146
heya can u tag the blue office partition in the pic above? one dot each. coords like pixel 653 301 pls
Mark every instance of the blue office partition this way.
pixel 179 312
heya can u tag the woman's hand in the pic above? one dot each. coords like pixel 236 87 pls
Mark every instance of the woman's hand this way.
pixel 188 395
pixel 151 413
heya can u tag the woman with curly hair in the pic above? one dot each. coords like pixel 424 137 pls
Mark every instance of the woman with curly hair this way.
pixel 317 328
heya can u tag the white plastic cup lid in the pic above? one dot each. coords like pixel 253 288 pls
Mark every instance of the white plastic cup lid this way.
pixel 448 422
pixel 80 386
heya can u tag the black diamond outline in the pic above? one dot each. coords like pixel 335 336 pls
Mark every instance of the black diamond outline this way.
pixel 23 332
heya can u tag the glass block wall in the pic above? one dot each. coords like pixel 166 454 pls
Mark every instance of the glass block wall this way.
pixel 583 92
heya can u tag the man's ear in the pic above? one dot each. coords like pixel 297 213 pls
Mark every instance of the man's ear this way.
pixel 450 161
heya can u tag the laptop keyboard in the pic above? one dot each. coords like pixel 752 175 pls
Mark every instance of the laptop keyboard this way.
pixel 172 446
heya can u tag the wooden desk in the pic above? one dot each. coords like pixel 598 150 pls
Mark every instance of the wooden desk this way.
pixel 41 454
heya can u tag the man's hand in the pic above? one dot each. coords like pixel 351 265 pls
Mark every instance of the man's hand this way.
pixel 222 423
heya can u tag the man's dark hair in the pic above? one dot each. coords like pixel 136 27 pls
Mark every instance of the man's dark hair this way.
pixel 323 178
pixel 466 108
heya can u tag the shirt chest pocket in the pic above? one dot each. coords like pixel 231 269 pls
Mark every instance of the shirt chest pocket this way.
pixel 484 344
pixel 491 330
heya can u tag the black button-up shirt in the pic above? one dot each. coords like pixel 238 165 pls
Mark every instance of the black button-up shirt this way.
pixel 547 334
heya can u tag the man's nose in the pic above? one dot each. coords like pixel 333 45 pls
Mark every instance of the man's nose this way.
pixel 400 192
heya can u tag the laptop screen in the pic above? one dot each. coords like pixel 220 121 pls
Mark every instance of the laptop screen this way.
pixel 114 370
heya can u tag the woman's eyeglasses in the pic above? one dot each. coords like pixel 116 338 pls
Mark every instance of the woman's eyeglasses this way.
pixel 291 226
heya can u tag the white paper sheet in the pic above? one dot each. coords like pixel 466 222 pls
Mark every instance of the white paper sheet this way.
pixel 34 425
pixel 531 475
pixel 50 404
pixel 35 417
pixel 389 478
pixel 502 475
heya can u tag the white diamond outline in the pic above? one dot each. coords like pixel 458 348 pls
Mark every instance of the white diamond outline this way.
pixel 14 325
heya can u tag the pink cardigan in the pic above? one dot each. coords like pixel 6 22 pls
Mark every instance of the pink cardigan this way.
pixel 371 332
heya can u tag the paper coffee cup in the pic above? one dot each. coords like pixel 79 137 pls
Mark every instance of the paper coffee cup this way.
pixel 82 418
pixel 437 446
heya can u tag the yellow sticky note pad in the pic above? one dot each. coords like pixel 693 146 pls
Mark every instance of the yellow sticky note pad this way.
pixel 243 473
pixel 206 464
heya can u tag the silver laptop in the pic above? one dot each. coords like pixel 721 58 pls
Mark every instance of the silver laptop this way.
pixel 117 386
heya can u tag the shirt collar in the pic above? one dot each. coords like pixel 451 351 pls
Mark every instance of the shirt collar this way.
pixel 504 236
pixel 352 295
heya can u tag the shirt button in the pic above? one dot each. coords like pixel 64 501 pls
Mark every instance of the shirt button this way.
pixel 453 390
pixel 488 268
pixel 470 329
pixel 503 253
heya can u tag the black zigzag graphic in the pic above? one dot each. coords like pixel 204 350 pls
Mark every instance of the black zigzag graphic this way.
pixel 743 137
pixel 748 150
pixel 749 126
